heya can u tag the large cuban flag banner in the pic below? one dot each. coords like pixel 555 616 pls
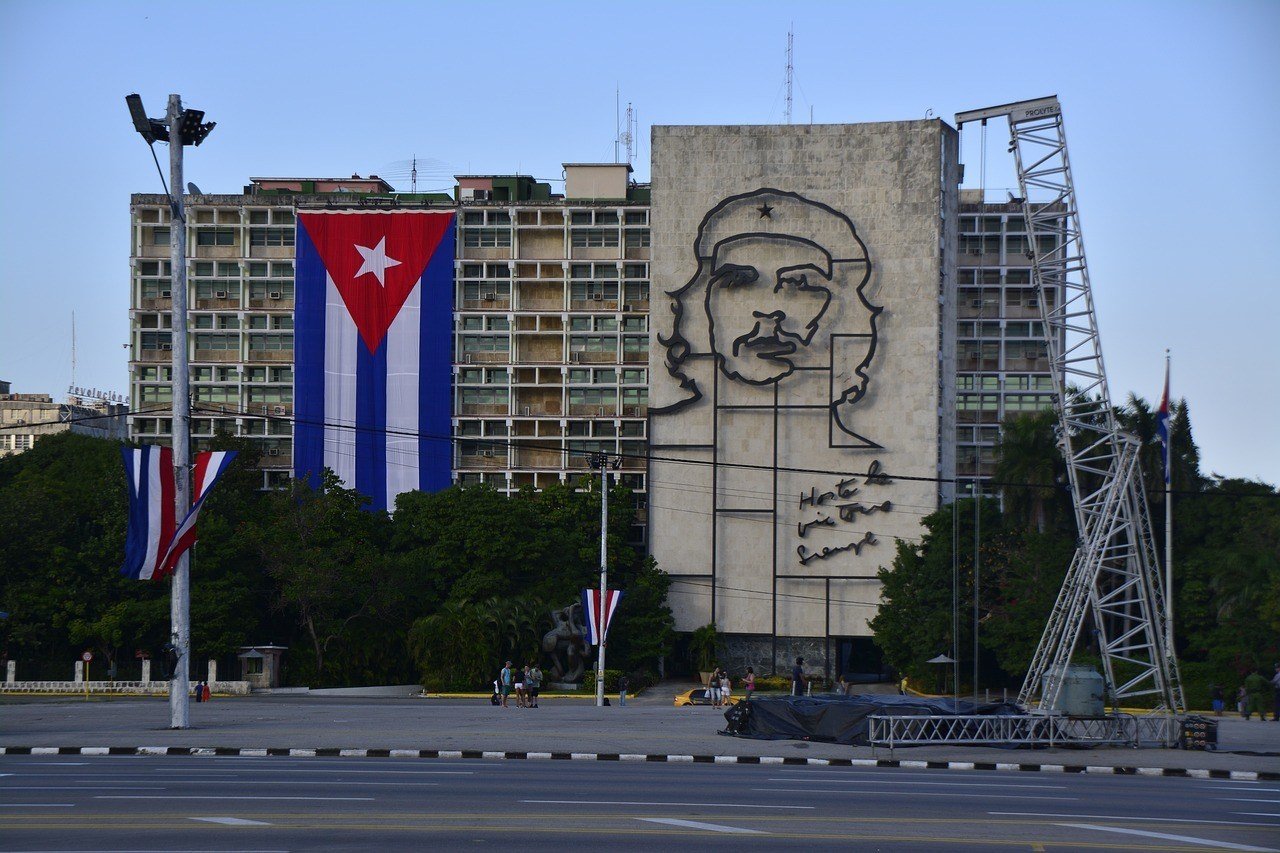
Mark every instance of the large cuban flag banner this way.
pixel 372 348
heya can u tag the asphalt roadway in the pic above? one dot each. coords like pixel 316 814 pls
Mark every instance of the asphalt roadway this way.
pixel 208 803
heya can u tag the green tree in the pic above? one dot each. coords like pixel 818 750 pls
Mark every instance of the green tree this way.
pixel 1030 468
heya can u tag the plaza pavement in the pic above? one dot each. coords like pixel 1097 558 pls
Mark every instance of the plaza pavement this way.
pixel 648 725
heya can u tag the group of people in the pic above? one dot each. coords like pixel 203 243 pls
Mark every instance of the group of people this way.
pixel 526 684
pixel 720 686
pixel 200 692
pixel 1246 698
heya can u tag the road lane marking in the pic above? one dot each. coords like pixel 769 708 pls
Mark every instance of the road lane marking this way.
pixel 1237 800
pixel 210 797
pixel 232 821
pixel 913 783
pixel 914 793
pixel 36 805
pixel 643 803
pixel 81 787
pixel 695 824
pixel 1165 836
pixel 1258 814
pixel 1132 818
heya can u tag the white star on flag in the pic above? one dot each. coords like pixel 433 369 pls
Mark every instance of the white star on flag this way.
pixel 376 261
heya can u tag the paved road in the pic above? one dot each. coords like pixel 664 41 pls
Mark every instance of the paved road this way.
pixel 260 804
pixel 650 725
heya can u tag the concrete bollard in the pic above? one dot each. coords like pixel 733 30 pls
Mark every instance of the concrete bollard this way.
pixel 11 672
pixel 146 671
pixel 79 671
pixel 213 672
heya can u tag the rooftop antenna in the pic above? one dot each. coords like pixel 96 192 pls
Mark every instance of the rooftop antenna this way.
pixel 73 348
pixel 616 134
pixel 628 135
pixel 791 71
pixel 413 175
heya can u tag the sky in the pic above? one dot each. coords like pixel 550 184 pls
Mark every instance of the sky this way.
pixel 1172 110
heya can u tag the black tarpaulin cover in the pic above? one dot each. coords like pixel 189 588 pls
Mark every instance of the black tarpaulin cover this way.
pixel 836 718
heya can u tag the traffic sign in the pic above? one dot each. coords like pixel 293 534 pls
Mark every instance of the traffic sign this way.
pixel 86 657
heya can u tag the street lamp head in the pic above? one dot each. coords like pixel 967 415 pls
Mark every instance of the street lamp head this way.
pixel 193 127
pixel 150 129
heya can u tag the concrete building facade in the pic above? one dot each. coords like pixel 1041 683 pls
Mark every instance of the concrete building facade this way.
pixel 803 341
pixel 551 327
pixel 26 418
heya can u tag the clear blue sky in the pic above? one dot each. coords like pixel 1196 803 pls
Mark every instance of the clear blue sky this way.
pixel 1172 108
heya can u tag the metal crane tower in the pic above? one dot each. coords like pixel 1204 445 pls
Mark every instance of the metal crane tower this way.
pixel 1114 576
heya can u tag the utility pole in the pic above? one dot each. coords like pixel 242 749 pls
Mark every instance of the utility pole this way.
pixel 604 573
pixel 180 598
pixel 180 127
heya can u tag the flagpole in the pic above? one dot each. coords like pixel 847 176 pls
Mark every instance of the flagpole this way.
pixel 1168 517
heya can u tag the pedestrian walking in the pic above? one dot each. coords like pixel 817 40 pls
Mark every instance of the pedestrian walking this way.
pixel 533 683
pixel 1215 697
pixel 504 679
pixel 749 683
pixel 713 688
pixel 199 691
pixel 1242 702
pixel 797 678
pixel 726 688
pixel 1275 685
pixel 622 690
pixel 207 692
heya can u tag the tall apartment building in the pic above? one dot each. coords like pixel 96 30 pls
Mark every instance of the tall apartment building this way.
pixel 1002 364
pixel 240 303
pixel 551 327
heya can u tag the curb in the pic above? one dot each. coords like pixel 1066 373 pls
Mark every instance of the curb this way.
pixel 334 752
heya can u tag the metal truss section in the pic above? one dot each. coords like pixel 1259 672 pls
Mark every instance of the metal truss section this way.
pixel 1023 730
pixel 1113 577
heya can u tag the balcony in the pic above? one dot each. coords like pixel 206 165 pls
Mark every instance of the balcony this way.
pixel 269 355
pixel 155 356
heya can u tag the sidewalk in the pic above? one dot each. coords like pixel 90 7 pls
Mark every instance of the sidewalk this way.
pixel 648 725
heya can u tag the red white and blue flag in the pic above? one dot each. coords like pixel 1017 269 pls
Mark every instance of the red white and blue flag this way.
pixel 1162 424
pixel 210 466
pixel 149 470
pixel 372 348
pixel 599 616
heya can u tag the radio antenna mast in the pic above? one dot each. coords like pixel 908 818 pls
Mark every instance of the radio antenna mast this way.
pixel 791 71
pixel 73 348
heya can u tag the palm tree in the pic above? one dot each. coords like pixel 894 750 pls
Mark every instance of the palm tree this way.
pixel 1028 463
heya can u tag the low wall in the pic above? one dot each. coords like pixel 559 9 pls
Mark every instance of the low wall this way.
pixel 119 688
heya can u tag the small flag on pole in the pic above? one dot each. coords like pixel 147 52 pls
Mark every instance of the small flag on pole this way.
pixel 149 470
pixel 1162 423
pixel 599 617
pixel 210 466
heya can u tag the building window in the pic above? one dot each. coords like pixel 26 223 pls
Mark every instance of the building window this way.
pixel 593 343
pixel 595 238
pixel 159 236
pixel 215 237
pixel 593 397
pixel 485 396
pixel 486 238
pixel 638 238
pixel 486 343
pixel 271 237
pixel 273 343
pixel 217 342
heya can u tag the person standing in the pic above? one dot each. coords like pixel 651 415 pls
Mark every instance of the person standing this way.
pixel 1242 702
pixel 797 678
pixel 1275 685
pixel 522 700
pixel 208 691
pixel 623 683
pixel 504 678
pixel 199 691
pixel 533 683
pixel 726 688
pixel 1218 702
pixel 713 688
pixel 749 683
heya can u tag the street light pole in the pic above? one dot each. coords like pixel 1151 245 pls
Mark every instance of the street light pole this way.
pixel 180 598
pixel 604 574
pixel 180 127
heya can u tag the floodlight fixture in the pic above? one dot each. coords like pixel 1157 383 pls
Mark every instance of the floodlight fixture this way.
pixel 193 126
pixel 152 130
